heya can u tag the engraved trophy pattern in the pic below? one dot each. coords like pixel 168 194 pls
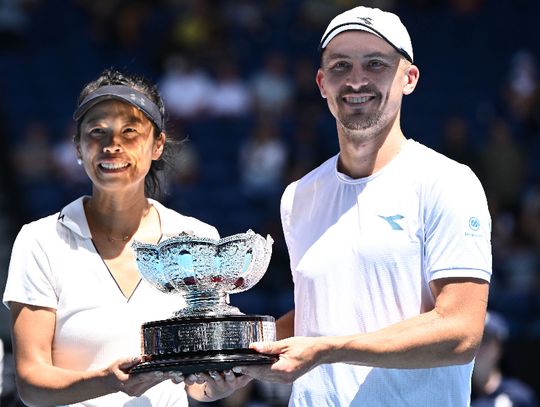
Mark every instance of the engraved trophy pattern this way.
pixel 207 333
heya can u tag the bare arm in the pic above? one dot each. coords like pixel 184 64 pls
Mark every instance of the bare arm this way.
pixel 285 325
pixel 449 334
pixel 40 383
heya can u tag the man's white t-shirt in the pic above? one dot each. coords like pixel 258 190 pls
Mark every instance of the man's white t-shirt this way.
pixel 363 252
pixel 55 264
pixel 1 365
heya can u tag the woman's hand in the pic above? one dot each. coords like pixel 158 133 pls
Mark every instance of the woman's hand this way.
pixel 135 384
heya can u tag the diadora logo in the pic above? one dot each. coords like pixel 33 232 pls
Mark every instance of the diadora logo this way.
pixel 366 20
pixel 392 221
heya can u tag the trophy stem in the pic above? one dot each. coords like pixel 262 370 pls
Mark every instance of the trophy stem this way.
pixel 206 303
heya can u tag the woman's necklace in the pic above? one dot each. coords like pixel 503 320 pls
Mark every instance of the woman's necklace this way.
pixel 117 239
pixel 124 238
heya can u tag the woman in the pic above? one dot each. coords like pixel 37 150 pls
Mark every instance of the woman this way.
pixel 76 298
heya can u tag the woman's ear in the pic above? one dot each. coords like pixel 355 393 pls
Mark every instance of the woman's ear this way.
pixel 159 144
pixel 412 73
pixel 78 151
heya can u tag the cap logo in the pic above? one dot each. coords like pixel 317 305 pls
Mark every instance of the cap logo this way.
pixel 384 24
pixel 134 97
pixel 366 20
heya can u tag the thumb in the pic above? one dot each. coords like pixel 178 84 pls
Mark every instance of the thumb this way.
pixel 128 363
pixel 265 347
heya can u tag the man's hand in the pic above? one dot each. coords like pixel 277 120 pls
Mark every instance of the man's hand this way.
pixel 296 356
pixel 212 385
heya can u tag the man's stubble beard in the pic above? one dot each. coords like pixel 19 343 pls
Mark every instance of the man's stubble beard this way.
pixel 361 129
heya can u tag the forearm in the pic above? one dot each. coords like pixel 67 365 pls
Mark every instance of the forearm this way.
pixel 285 326
pixel 49 385
pixel 448 334
pixel 425 341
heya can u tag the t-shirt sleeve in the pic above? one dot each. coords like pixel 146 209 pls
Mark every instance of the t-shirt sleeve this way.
pixel 457 227
pixel 285 208
pixel 30 280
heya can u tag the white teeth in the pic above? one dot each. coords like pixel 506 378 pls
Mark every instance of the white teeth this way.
pixel 114 166
pixel 362 99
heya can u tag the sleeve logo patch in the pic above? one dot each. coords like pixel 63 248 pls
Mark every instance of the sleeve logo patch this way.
pixel 474 223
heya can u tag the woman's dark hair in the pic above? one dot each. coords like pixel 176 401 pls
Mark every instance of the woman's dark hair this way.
pixel 154 182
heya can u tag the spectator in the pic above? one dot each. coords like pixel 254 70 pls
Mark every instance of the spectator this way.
pixel 491 387
pixel 1 367
pixel 457 142
pixel 522 88
pixel 230 96
pixel 72 177
pixel 503 166
pixel 185 89
pixel 34 169
pixel 271 85
pixel 262 161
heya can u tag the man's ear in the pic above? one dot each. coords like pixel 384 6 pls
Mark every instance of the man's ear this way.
pixel 319 78
pixel 412 73
pixel 159 144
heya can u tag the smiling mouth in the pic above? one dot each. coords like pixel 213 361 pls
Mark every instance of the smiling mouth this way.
pixel 113 166
pixel 357 100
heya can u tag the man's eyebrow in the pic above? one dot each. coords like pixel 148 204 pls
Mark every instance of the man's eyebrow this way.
pixel 379 55
pixel 375 54
pixel 335 55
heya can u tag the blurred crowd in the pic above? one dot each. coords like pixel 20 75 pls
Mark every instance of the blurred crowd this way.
pixel 238 82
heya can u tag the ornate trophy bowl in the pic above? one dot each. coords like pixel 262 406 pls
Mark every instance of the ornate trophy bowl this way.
pixel 207 333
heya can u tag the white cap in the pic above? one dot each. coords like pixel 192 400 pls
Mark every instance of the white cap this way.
pixel 383 24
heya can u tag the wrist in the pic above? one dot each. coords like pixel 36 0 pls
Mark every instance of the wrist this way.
pixel 328 350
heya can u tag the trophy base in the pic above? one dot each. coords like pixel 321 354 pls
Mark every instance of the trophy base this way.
pixel 202 343
pixel 203 363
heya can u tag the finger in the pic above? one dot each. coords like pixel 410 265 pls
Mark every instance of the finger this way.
pixel 265 347
pixel 175 376
pixel 229 375
pixel 198 378
pixel 128 363
pixel 253 371
pixel 190 379
pixel 215 376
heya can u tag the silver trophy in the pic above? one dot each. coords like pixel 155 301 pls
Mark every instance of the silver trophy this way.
pixel 207 333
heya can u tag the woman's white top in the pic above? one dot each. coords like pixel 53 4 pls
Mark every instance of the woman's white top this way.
pixel 55 264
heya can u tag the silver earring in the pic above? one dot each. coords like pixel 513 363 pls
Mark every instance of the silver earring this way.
pixel 79 161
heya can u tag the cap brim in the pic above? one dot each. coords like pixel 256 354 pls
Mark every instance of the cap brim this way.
pixel 124 94
pixel 357 26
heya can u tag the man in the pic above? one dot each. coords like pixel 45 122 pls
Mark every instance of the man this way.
pixel 389 244
pixel 1 366
pixel 491 387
